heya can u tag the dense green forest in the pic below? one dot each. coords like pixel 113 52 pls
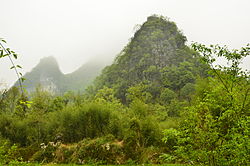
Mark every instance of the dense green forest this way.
pixel 159 102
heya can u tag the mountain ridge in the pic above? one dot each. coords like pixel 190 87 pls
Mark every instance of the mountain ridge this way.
pixel 48 76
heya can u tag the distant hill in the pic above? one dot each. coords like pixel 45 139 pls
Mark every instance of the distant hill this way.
pixel 84 76
pixel 48 75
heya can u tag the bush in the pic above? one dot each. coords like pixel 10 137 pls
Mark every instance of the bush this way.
pixel 46 154
pixel 64 152
pixel 103 150
pixel 141 134
pixel 8 153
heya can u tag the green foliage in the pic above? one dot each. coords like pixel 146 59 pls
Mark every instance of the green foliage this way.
pixel 216 127
pixel 104 150
pixel 139 92
pixel 187 91
pixel 106 96
pixel 46 154
pixel 156 57
pixel 170 137
pixel 7 52
pixel 72 118
pixel 175 108
pixel 175 77
pixel 9 100
pixel 167 95
pixel 9 153
pixel 156 83
pixel 128 100
pixel 64 153
pixel 23 102
pixel 91 120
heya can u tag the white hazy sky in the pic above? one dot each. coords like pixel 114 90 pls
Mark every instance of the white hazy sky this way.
pixel 75 31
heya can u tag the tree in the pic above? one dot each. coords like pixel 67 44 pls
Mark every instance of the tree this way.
pixel 216 127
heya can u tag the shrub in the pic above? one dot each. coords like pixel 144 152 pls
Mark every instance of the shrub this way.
pixel 46 154
pixel 64 152
pixel 103 150
pixel 8 153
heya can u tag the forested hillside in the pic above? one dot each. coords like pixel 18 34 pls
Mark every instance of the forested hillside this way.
pixel 160 102
pixel 156 57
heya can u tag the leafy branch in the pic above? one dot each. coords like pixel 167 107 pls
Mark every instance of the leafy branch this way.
pixel 233 58
pixel 9 53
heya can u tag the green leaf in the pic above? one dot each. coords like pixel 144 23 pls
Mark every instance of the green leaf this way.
pixel 19 66
pixel 1 53
pixel 8 50
pixel 30 102
pixel 12 67
pixel 15 56
pixel 20 74
pixel 23 79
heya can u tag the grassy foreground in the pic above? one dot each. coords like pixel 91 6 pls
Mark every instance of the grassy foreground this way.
pixel 119 165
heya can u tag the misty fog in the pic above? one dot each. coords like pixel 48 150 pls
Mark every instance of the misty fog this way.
pixel 77 31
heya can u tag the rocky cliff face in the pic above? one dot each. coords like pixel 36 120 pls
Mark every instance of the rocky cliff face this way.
pixel 48 76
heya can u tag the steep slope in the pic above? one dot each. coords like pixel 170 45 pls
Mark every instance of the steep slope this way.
pixel 156 56
pixel 82 77
pixel 48 75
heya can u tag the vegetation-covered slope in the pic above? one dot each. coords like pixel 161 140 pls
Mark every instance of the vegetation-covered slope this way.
pixel 84 76
pixel 157 103
pixel 156 56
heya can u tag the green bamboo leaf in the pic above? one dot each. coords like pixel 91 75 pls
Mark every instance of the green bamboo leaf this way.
pixel 19 66
pixel 8 50
pixel 15 56
pixel 12 67
pixel 1 53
